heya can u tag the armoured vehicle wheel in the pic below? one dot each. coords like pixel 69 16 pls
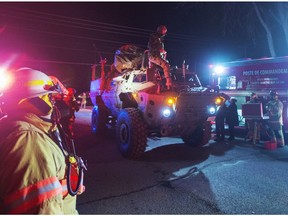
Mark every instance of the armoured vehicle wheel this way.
pixel 98 119
pixel 200 136
pixel 131 133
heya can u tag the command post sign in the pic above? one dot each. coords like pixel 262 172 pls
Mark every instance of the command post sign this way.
pixel 267 76
pixel 271 73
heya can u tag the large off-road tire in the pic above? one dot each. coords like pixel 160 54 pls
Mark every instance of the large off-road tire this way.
pixel 99 119
pixel 131 132
pixel 200 136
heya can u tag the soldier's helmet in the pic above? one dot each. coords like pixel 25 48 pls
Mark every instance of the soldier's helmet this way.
pixel 162 30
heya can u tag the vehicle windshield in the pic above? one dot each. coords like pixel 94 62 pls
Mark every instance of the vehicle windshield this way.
pixel 190 78
pixel 139 78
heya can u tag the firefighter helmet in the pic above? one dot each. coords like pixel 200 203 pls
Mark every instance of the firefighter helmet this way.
pixel 162 30
pixel 273 93
pixel 29 90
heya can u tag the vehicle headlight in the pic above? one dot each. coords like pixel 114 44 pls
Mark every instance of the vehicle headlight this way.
pixel 211 110
pixel 166 112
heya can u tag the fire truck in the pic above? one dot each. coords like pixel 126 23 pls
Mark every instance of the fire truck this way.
pixel 240 78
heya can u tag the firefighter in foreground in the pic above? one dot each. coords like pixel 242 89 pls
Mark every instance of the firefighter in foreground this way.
pixel 157 53
pixel 36 168
pixel 274 110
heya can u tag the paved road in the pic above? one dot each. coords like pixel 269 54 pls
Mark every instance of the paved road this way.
pixel 172 178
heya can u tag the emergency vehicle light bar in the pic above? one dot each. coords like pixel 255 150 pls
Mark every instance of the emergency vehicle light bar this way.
pixel 5 79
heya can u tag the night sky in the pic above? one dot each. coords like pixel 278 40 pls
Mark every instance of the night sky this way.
pixel 64 39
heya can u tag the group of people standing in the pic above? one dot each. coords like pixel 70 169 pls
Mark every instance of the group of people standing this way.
pixel 274 124
pixel 227 113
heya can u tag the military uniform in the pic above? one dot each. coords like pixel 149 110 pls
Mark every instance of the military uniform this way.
pixel 157 55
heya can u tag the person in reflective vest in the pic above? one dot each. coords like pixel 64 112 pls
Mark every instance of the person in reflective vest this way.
pixel 34 168
pixel 275 109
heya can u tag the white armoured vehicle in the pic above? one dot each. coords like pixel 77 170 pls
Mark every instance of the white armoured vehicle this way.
pixel 136 103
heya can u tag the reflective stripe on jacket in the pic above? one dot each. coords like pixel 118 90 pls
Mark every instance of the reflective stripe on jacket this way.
pixel 33 170
pixel 23 200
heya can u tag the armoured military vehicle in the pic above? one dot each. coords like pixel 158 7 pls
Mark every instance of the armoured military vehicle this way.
pixel 136 103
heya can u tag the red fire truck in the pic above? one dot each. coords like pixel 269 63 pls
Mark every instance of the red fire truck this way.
pixel 240 78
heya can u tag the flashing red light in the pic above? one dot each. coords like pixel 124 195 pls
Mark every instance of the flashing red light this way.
pixel 5 79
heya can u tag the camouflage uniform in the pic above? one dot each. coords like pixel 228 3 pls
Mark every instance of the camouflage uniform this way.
pixel 157 55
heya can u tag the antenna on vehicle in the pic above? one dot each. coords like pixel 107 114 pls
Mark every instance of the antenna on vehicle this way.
pixel 184 70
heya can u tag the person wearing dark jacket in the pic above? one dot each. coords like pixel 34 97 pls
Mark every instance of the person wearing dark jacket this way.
pixel 220 123
pixel 232 117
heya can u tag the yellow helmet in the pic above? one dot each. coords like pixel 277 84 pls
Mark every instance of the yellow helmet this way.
pixel 28 89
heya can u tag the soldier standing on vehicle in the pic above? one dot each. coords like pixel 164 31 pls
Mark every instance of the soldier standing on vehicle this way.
pixel 275 109
pixel 34 166
pixel 157 53
pixel 232 117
